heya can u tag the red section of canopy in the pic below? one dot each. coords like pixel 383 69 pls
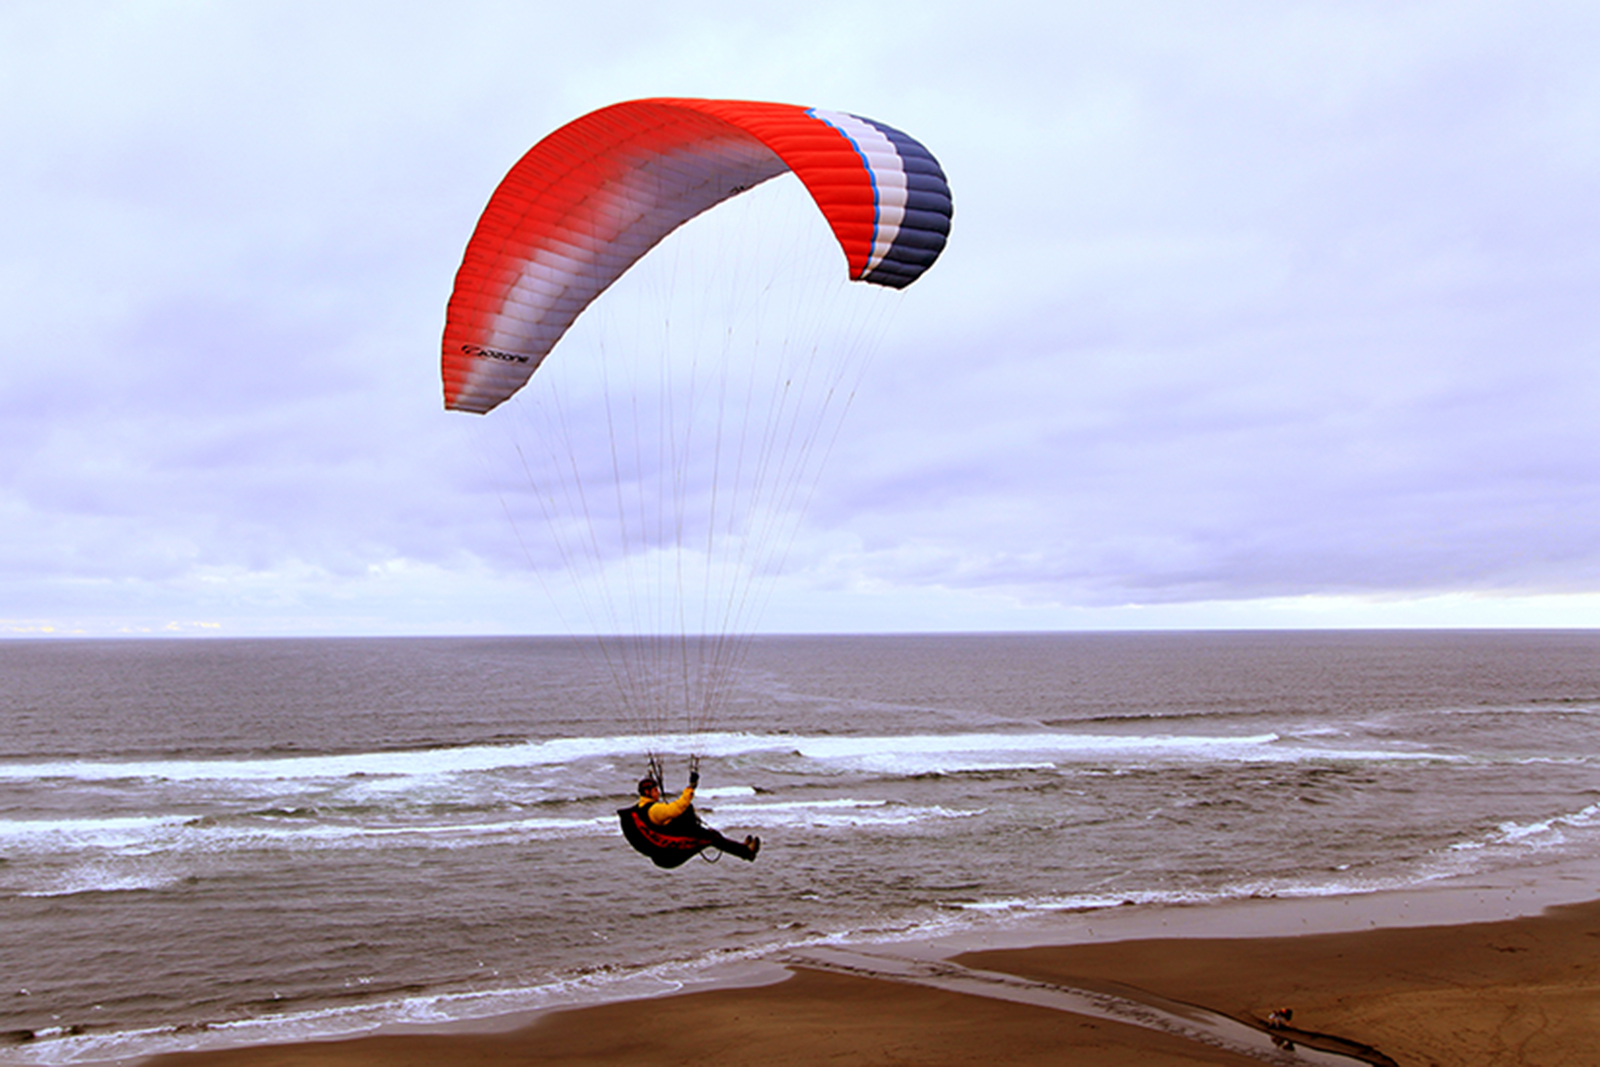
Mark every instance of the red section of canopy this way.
pixel 830 167
pixel 557 191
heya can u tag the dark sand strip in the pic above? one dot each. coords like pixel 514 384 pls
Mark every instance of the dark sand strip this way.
pixel 1127 1006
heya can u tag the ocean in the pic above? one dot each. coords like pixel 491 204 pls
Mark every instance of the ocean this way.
pixel 228 841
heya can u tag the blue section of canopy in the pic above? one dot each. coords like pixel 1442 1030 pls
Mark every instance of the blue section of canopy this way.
pixel 926 224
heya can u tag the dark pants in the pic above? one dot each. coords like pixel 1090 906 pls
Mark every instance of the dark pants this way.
pixel 689 825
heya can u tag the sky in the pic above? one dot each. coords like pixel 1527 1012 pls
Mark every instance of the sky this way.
pixel 1266 314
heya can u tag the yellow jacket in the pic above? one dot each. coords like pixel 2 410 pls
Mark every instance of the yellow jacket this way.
pixel 662 812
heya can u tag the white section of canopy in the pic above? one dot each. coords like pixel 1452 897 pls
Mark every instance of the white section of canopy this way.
pixel 888 178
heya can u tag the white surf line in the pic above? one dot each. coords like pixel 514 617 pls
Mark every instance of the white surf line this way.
pixel 1181 1020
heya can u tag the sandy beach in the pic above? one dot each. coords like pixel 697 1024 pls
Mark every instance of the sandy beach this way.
pixel 1523 991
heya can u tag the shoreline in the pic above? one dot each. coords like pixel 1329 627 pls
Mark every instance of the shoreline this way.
pixel 1500 927
pixel 1517 991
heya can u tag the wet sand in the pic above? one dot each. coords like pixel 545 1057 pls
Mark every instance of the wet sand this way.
pixel 1523 991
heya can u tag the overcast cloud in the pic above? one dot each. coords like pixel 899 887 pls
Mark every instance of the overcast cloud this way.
pixel 1253 314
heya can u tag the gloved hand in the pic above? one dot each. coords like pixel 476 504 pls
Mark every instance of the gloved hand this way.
pixel 694 779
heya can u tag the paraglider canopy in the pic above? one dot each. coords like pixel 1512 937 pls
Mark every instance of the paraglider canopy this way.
pixel 670 468
pixel 590 199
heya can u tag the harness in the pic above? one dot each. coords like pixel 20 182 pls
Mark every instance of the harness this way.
pixel 667 846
